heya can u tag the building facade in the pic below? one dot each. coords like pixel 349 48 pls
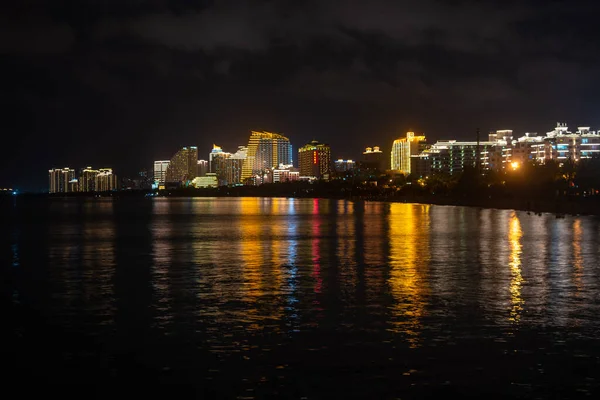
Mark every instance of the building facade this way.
pixel 202 168
pixel 215 152
pixel 265 151
pixel 344 165
pixel 285 173
pixel 160 172
pixel 87 179
pixel 62 180
pixel 106 180
pixel 452 157
pixel 314 159
pixel 403 149
pixel 183 166
pixel 207 181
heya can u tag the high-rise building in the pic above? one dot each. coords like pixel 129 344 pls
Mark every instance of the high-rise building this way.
pixel 314 159
pixel 105 180
pixel 61 180
pixel 87 179
pixel 183 166
pixel 215 152
pixel 265 151
pixel 219 166
pixel 373 159
pixel 202 168
pixel 403 149
pixel 235 165
pixel 160 172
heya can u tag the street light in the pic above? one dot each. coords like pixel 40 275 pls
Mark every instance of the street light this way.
pixel 514 165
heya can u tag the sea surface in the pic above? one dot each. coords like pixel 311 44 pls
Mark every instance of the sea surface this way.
pixel 296 298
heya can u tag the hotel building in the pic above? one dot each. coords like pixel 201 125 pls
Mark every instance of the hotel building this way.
pixel 314 159
pixel 403 149
pixel 266 151
pixel 183 166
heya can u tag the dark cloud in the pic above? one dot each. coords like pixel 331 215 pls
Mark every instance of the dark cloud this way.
pixel 124 82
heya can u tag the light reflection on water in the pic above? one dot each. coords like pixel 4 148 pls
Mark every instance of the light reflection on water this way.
pixel 255 275
pixel 409 262
pixel 516 282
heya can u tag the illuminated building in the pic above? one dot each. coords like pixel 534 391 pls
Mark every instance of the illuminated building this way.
pixel 234 166
pixel 160 172
pixel 87 180
pixel 265 151
pixel 105 180
pixel 202 168
pixel 503 152
pixel 228 166
pixel 529 148
pixel 285 173
pixel 403 149
pixel 61 180
pixel 314 159
pixel 207 181
pixel 215 152
pixel 344 165
pixel 561 144
pixel 452 157
pixel 373 159
pixel 219 166
pixel 501 156
pixel 182 167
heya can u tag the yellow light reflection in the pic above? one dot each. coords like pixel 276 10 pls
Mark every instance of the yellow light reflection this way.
pixel 577 256
pixel 261 265
pixel 514 238
pixel 279 250
pixel 251 251
pixel 409 258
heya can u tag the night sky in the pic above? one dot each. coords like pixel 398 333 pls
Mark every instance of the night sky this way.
pixel 122 83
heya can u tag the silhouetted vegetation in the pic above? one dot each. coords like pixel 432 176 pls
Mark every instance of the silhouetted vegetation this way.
pixel 570 187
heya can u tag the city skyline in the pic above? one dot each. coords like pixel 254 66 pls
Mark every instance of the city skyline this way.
pixel 129 81
pixel 268 158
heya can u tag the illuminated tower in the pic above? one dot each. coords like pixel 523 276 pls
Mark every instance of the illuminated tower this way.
pixel 202 168
pixel 105 180
pixel 160 171
pixel 265 151
pixel 314 159
pixel 87 180
pixel 183 166
pixel 215 152
pixel 61 180
pixel 403 149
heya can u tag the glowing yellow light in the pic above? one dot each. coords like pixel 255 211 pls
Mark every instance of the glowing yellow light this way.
pixel 514 165
pixel 409 264
pixel 516 283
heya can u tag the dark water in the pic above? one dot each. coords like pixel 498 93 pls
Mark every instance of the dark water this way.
pixel 268 298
